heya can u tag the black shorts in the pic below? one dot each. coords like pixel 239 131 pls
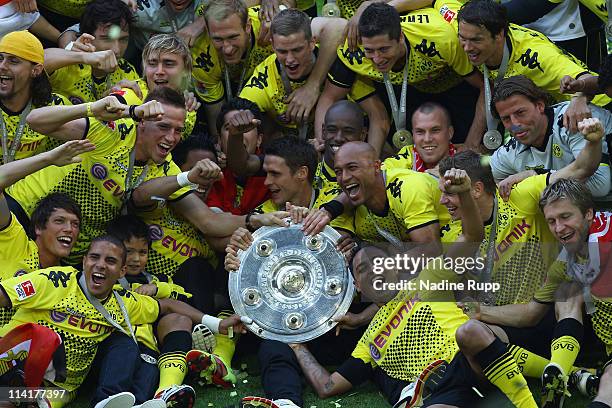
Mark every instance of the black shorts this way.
pixel 457 386
pixel 536 339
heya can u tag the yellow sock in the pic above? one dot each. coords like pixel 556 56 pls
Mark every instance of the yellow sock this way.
pixel 530 364
pixel 505 374
pixel 225 347
pixel 172 369
pixel 563 351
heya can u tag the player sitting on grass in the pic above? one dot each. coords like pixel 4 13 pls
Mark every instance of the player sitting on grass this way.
pixel 121 366
pixel 84 309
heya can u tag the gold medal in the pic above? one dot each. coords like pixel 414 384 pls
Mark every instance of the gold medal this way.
pixel 402 138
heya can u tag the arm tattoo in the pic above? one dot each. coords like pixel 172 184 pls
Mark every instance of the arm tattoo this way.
pixel 316 374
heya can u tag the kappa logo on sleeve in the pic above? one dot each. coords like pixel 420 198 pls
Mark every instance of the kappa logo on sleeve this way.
pixel 25 290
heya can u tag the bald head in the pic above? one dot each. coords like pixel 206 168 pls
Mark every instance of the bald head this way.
pixel 347 110
pixel 357 151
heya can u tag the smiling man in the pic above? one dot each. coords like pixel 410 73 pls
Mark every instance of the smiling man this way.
pixel 23 85
pixel 225 58
pixel 83 309
pixel 484 34
pixel 394 206
pixel 86 76
pixel 132 146
pixel 415 54
pixel 432 131
pixel 540 143
pixel 297 63
pixel 55 220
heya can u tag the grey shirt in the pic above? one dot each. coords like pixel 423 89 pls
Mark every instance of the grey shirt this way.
pixel 562 148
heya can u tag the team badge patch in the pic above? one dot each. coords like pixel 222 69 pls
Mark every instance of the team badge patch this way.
pixel 25 290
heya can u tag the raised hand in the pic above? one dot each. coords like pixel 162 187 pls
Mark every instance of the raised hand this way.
pixel 68 153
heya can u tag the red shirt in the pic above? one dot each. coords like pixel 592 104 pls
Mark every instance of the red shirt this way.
pixel 224 194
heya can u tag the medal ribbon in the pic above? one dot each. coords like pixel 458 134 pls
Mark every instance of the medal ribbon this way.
pixel 8 154
pixel 303 130
pixel 100 308
pixel 228 83
pixel 129 186
pixel 399 114
pixel 491 121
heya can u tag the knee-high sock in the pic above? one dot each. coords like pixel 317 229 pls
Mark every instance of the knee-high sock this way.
pixel 566 344
pixel 172 364
pixel 501 370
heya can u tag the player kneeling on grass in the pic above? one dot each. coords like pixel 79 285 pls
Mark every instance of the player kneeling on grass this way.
pixel 83 308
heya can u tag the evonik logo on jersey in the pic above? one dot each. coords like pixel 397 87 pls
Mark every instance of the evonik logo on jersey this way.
pixel 100 172
pixel 79 322
pixel 381 339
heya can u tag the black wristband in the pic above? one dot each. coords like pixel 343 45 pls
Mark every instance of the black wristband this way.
pixel 541 171
pixel 132 113
pixel 247 223
pixel 334 208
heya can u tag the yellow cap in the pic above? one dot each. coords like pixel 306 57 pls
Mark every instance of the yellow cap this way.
pixel 23 45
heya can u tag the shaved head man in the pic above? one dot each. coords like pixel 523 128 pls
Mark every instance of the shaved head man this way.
pixel 396 206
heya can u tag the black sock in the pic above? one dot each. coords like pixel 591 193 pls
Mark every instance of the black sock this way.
pixel 491 353
pixel 179 340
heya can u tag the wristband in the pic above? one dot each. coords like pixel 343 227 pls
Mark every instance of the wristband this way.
pixel 183 181
pixel 211 322
pixel 541 171
pixel 247 223
pixel 334 208
pixel 89 111
pixel 132 113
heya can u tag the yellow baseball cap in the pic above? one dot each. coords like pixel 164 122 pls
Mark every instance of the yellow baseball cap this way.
pixel 23 45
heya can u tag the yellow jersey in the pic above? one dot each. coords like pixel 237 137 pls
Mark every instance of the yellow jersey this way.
pixel 18 256
pixel 97 183
pixel 413 202
pixel 436 61
pixel 265 88
pixel 53 298
pixel 174 240
pixel 524 246
pixel 31 141
pixel 209 67
pixel 532 54
pixel 407 334
pixel 79 85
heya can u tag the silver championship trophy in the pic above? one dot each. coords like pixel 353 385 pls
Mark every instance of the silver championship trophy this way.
pixel 291 285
